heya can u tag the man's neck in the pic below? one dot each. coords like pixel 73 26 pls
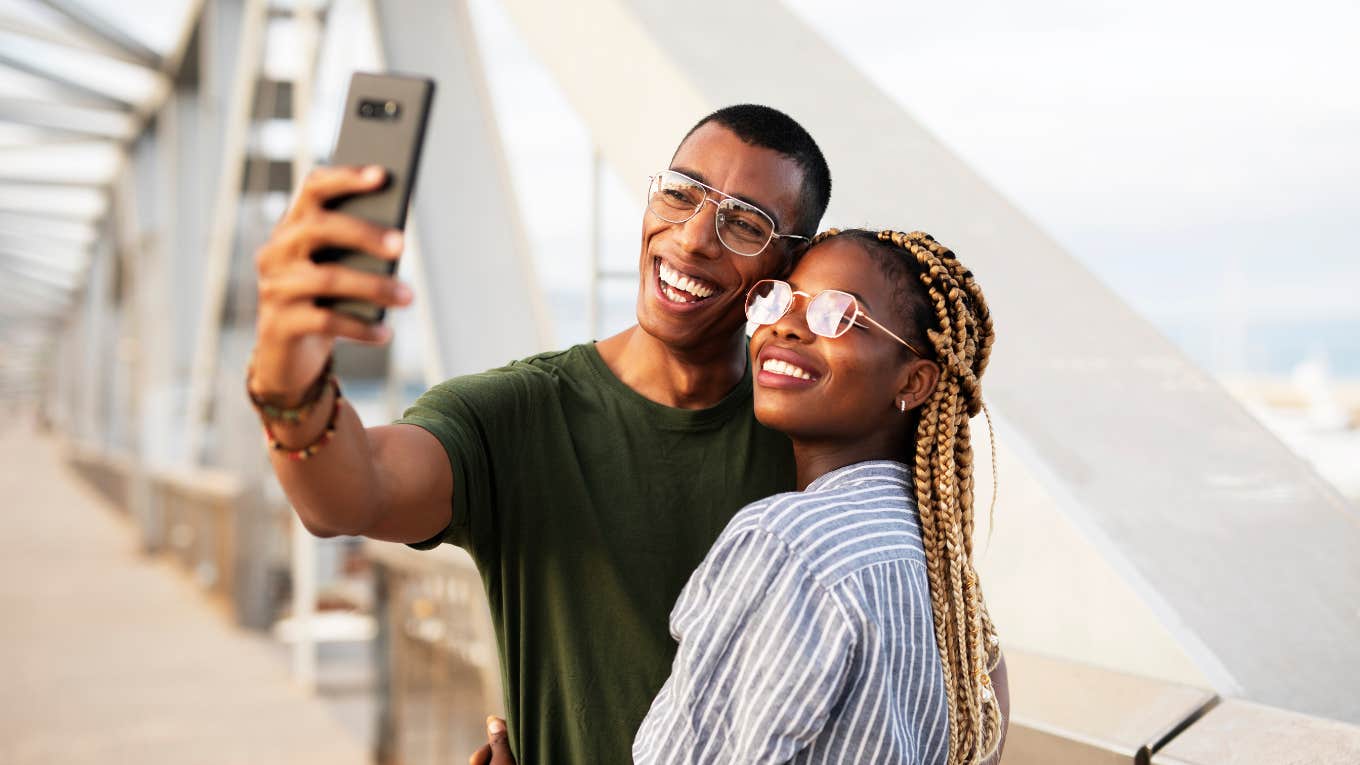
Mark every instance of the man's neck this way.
pixel 682 378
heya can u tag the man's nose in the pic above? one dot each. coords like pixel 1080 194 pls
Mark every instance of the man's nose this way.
pixel 699 235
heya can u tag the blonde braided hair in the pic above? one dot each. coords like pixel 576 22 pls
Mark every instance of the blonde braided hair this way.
pixel 961 337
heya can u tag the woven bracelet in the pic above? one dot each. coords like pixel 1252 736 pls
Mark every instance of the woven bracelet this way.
pixel 294 414
pixel 311 449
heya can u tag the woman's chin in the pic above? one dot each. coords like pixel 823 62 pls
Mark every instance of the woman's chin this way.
pixel 792 421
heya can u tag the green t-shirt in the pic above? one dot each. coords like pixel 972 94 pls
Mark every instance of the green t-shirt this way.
pixel 586 507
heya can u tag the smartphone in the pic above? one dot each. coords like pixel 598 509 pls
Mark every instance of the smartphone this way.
pixel 383 124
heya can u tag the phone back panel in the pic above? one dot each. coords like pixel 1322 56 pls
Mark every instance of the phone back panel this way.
pixel 383 124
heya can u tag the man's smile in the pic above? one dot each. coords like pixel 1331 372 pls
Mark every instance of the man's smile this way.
pixel 680 288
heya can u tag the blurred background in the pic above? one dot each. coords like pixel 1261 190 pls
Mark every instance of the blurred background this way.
pixel 1160 201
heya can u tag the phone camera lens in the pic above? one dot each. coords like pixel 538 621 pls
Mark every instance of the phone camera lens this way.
pixel 366 109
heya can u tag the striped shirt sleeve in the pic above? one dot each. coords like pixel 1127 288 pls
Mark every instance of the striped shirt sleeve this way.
pixel 762 659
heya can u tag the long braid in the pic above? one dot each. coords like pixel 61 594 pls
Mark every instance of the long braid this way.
pixel 954 319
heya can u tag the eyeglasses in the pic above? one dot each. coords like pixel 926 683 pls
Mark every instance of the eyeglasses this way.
pixel 742 228
pixel 830 313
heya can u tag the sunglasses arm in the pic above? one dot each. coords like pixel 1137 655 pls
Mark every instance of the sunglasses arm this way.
pixel 891 334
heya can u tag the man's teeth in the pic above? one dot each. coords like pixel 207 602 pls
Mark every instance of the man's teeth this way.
pixel 679 281
pixel 784 368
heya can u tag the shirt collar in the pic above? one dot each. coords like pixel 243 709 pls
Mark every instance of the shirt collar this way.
pixel 869 471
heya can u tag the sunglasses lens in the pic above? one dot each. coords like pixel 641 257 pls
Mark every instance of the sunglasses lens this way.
pixel 831 313
pixel 767 301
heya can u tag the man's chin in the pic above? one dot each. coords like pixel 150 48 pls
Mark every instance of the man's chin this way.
pixel 684 332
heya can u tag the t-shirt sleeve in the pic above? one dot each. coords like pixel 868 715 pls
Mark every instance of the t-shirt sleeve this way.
pixel 477 417
pixel 763 656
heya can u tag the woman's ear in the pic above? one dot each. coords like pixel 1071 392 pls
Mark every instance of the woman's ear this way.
pixel 919 378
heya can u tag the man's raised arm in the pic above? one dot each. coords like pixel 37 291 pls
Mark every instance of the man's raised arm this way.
pixel 392 482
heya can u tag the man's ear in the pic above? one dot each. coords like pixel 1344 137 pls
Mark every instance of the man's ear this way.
pixel 919 378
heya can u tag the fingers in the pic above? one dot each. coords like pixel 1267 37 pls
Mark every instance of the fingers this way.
pixel 305 281
pixel 284 325
pixel 308 226
pixel 326 183
pixel 298 239
pixel 481 756
pixel 323 321
pixel 498 740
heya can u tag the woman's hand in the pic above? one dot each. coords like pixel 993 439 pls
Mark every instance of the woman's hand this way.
pixel 497 748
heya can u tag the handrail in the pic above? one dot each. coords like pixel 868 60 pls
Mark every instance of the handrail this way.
pixel 1067 712
pixel 439 661
pixel 441 672
pixel 193 514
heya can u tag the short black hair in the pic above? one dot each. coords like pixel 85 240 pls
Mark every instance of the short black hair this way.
pixel 770 128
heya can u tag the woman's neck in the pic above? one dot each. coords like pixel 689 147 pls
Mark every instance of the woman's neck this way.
pixel 814 460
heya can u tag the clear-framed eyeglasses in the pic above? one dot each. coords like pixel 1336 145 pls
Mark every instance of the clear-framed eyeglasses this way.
pixel 830 313
pixel 743 228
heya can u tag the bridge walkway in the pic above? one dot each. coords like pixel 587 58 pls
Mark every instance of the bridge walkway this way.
pixel 108 656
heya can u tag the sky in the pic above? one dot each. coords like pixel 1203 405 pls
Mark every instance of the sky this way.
pixel 1166 144
pixel 1201 158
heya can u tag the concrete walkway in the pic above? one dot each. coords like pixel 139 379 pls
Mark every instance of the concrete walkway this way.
pixel 109 657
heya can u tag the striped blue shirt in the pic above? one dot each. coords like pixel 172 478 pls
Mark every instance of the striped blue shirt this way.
pixel 806 635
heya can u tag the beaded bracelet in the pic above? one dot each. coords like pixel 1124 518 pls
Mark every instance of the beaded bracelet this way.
pixel 294 414
pixel 311 449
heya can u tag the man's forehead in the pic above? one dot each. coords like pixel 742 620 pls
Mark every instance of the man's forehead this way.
pixel 701 177
pixel 754 174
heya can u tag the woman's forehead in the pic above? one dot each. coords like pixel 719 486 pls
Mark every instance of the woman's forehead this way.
pixel 841 264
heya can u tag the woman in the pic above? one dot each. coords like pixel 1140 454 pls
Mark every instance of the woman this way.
pixel 844 622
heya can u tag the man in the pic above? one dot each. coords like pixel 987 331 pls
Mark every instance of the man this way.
pixel 587 484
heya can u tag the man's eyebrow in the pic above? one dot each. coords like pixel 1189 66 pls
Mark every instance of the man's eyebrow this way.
pixel 698 176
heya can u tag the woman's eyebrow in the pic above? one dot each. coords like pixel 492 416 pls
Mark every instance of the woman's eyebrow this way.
pixel 863 303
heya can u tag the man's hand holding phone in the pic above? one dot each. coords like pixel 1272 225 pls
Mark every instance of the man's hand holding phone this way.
pixel 294 336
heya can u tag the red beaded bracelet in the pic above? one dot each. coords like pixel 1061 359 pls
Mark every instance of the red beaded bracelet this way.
pixel 311 449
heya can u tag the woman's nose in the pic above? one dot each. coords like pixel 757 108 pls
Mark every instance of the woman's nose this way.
pixel 793 324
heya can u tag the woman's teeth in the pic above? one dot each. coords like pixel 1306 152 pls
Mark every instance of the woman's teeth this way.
pixel 681 288
pixel 784 368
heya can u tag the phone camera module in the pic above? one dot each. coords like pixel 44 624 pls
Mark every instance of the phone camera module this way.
pixel 379 110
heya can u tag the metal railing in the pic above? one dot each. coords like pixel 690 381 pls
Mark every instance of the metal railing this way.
pixel 216 527
pixel 1066 712
pixel 439 674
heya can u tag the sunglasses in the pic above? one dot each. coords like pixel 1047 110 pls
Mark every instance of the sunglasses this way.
pixel 830 313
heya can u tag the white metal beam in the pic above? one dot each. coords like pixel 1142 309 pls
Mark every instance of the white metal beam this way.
pixel 83 17
pixel 475 254
pixel 222 239
pixel 73 120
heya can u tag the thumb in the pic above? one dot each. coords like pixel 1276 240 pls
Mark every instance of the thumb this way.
pixel 499 741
